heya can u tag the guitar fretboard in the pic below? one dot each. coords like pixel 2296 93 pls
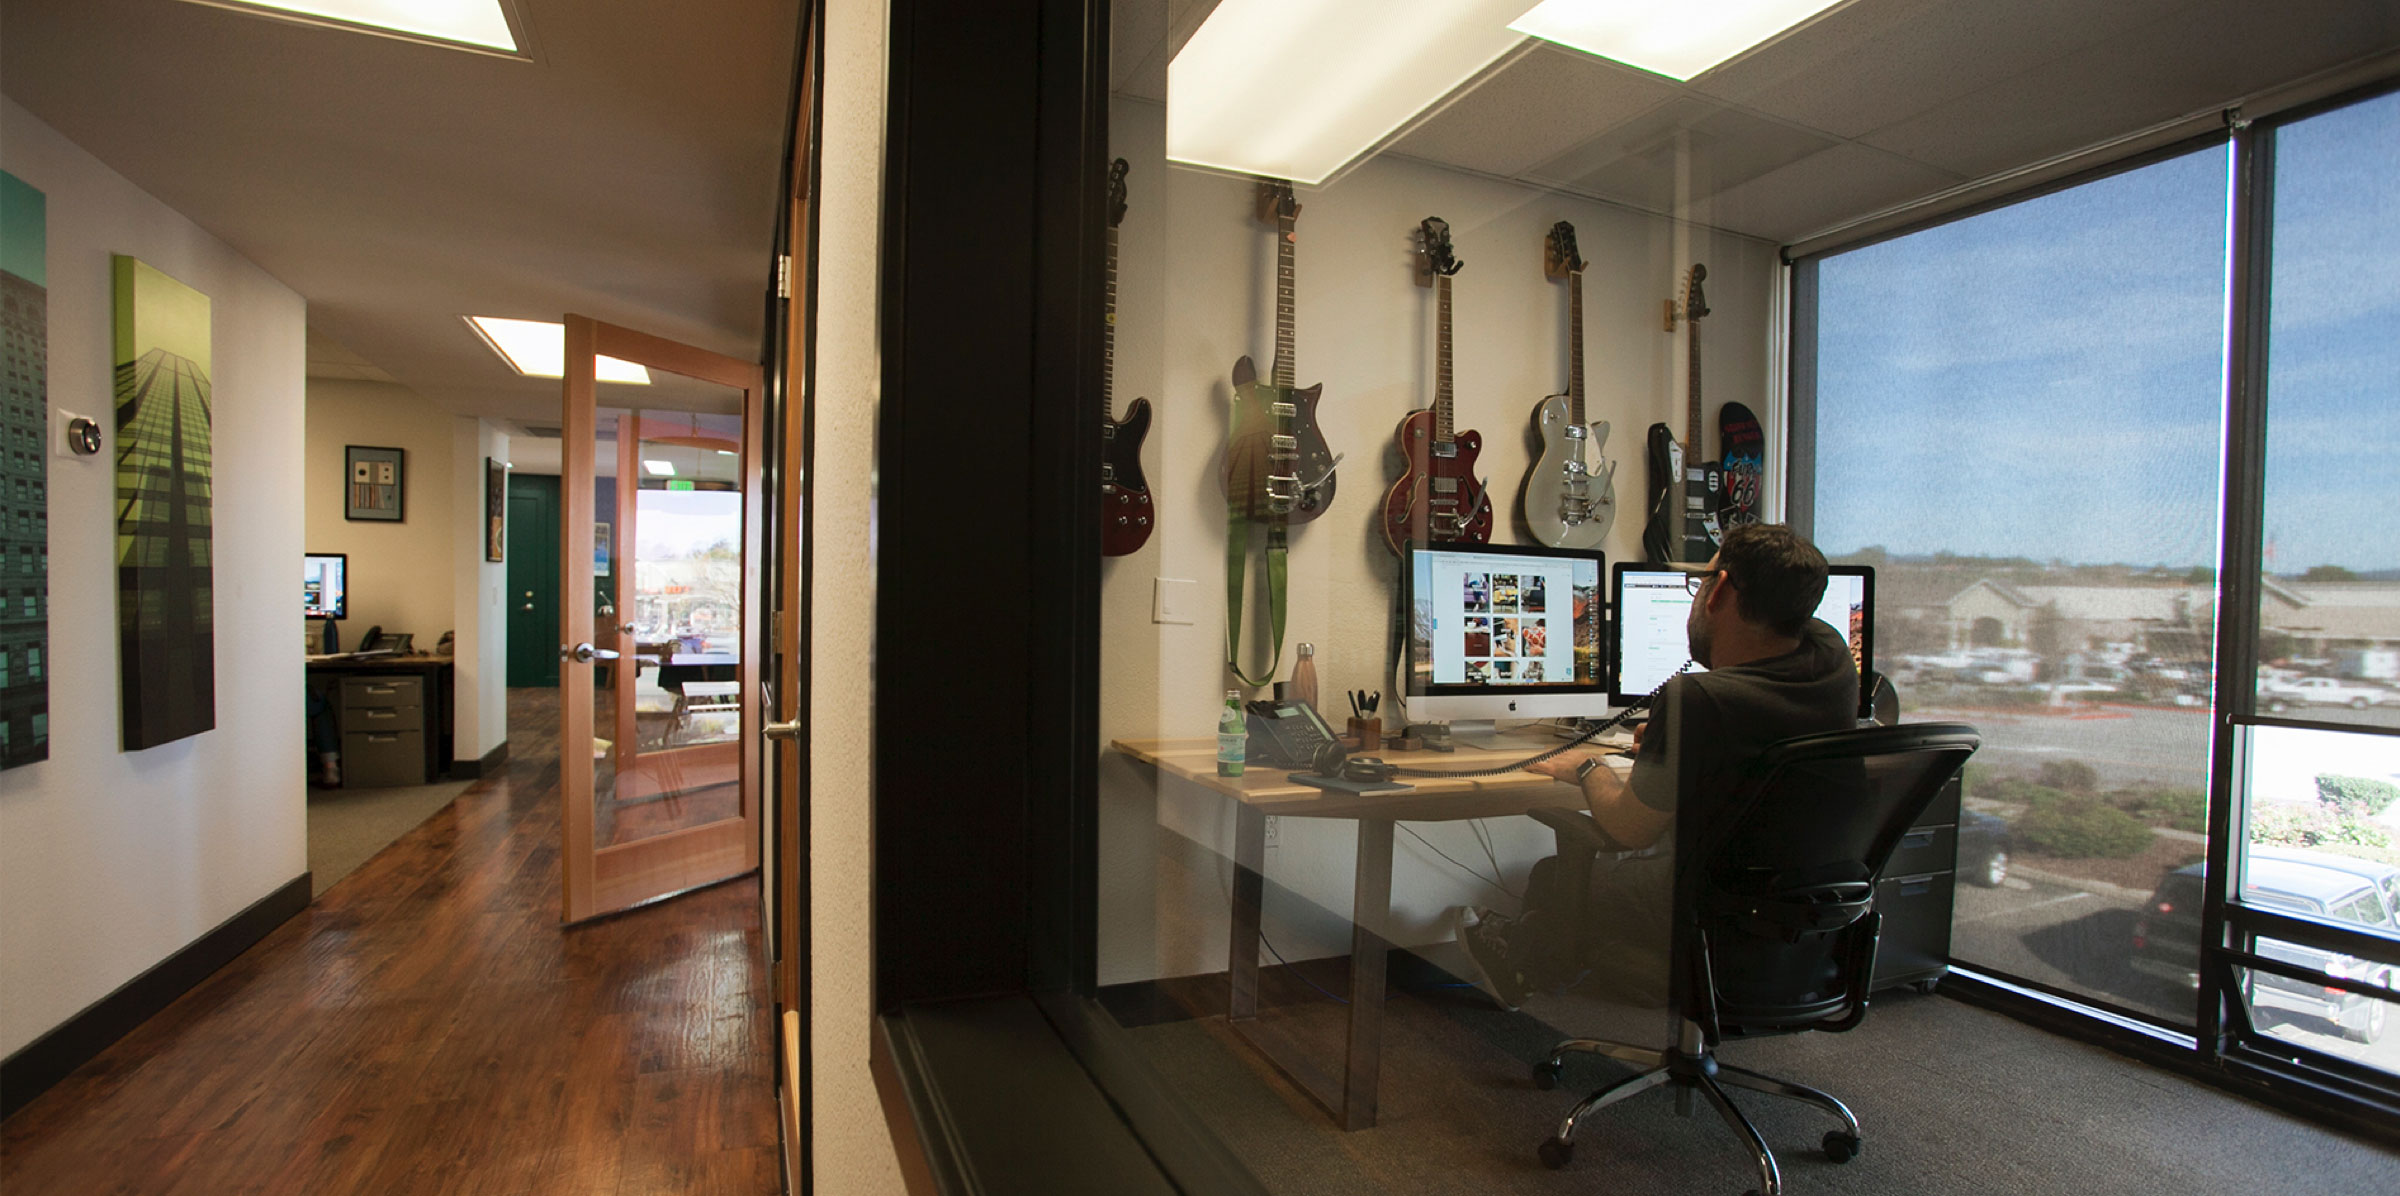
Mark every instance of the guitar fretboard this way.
pixel 1285 373
pixel 1108 335
pixel 1441 367
pixel 1575 348
pixel 1691 438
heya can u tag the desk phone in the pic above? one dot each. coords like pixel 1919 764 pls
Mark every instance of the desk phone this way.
pixel 1286 734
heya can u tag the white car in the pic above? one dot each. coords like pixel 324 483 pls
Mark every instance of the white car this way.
pixel 2320 691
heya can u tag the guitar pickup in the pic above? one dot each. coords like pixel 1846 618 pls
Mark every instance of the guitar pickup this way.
pixel 1283 444
pixel 1445 485
pixel 1576 431
pixel 1283 410
pixel 1445 450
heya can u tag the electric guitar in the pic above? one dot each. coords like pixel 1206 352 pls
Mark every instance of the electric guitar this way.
pixel 1571 493
pixel 1684 495
pixel 1278 469
pixel 1438 497
pixel 1125 511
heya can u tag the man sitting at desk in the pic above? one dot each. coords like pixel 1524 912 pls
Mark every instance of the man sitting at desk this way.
pixel 1774 672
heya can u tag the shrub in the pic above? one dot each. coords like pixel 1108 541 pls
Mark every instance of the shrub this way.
pixel 2080 828
pixel 2304 826
pixel 2074 776
pixel 2182 809
pixel 2356 797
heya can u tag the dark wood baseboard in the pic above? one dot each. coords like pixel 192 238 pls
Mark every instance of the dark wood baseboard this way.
pixel 39 1064
pixel 468 770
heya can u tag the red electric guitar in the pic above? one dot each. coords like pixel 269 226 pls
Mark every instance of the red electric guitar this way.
pixel 1438 497
pixel 1125 511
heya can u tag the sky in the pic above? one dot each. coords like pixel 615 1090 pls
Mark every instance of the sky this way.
pixel 2045 380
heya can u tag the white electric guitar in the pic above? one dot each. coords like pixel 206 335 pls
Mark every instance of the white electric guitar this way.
pixel 1571 495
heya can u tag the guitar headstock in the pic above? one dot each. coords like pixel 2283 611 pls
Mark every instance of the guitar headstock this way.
pixel 1695 301
pixel 1561 258
pixel 1116 191
pixel 1440 259
pixel 1275 201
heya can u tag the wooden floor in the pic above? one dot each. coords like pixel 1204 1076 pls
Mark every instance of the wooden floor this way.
pixel 427 1026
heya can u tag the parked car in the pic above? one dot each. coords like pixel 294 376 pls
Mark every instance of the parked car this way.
pixel 2320 691
pixel 2166 939
pixel 1982 849
pixel 2385 877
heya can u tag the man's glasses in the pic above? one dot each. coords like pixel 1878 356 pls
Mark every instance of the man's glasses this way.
pixel 1693 583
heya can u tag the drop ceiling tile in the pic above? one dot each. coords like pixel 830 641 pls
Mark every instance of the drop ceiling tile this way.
pixel 1137 31
pixel 1877 62
pixel 1820 191
pixel 1712 146
pixel 2199 58
pixel 1535 108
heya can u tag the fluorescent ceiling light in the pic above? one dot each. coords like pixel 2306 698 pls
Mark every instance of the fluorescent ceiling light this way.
pixel 1675 40
pixel 465 22
pixel 538 349
pixel 1297 89
pixel 664 469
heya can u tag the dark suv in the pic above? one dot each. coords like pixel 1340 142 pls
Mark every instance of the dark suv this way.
pixel 2166 939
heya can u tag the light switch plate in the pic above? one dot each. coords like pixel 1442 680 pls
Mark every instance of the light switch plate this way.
pixel 1173 600
pixel 60 421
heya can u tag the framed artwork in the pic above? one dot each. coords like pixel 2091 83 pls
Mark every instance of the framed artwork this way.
pixel 166 629
pixel 495 510
pixel 24 476
pixel 600 560
pixel 378 484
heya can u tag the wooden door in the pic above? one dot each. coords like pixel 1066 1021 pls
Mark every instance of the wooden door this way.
pixel 660 619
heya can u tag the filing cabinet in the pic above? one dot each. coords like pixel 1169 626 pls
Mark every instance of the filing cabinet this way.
pixel 1915 896
pixel 383 731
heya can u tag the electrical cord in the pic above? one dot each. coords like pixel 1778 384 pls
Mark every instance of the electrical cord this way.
pixel 1521 765
pixel 1493 880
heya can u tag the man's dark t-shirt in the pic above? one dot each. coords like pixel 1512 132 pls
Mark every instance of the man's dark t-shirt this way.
pixel 1707 727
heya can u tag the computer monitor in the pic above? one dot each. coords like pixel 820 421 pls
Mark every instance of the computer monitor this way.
pixel 325 585
pixel 1649 642
pixel 1501 631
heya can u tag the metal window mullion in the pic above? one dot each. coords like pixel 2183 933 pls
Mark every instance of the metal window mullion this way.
pixel 2304 932
pixel 2242 516
pixel 2293 971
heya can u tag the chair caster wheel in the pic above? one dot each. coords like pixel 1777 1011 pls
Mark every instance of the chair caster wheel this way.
pixel 1545 1076
pixel 1841 1146
pixel 1556 1153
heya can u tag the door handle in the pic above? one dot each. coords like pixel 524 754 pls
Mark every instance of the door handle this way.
pixel 585 654
pixel 790 730
pixel 625 629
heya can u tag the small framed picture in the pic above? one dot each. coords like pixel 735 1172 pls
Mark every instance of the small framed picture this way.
pixel 495 510
pixel 378 484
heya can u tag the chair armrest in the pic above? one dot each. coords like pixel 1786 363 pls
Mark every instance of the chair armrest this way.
pixel 1575 831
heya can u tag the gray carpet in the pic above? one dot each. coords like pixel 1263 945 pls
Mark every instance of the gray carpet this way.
pixel 1951 1099
pixel 346 827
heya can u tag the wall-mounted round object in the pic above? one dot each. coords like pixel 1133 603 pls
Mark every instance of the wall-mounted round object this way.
pixel 83 435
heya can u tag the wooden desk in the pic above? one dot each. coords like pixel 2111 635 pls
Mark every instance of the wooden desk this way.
pixel 436 670
pixel 1262 791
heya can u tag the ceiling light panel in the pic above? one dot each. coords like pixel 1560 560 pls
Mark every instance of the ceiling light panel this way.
pixel 479 23
pixel 1675 40
pixel 1298 89
pixel 538 349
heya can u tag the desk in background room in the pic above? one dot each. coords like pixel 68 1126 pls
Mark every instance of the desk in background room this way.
pixel 394 715
pixel 1264 791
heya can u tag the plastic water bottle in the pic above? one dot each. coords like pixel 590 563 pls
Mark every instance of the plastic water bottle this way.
pixel 1233 736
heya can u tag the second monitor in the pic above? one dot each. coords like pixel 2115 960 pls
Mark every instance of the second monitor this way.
pixel 1652 603
pixel 1503 631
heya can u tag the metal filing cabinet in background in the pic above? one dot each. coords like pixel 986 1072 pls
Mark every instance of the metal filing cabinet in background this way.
pixel 383 731
pixel 1915 895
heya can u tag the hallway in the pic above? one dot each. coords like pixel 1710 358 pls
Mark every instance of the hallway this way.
pixel 427 1026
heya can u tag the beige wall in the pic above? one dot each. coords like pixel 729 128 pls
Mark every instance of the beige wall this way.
pixel 1196 279
pixel 111 861
pixel 401 574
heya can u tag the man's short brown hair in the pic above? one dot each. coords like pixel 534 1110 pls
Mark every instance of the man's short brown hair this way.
pixel 1778 576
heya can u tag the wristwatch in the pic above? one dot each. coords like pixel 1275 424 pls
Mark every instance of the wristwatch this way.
pixel 1585 769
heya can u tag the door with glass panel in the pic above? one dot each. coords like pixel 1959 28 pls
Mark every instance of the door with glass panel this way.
pixel 659 614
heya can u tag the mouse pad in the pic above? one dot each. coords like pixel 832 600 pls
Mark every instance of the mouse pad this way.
pixel 1310 778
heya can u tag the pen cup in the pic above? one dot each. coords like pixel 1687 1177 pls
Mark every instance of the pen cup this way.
pixel 1369 732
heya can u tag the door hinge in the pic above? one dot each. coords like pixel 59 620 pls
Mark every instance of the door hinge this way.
pixel 783 276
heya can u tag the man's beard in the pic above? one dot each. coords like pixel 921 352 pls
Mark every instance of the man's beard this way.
pixel 1696 634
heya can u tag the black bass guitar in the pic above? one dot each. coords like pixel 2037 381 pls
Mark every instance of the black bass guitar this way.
pixel 1126 513
pixel 1684 496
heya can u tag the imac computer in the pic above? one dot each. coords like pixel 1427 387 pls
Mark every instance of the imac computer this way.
pixel 1649 641
pixel 325 589
pixel 1501 631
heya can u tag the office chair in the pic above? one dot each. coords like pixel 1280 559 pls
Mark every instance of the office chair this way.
pixel 1775 924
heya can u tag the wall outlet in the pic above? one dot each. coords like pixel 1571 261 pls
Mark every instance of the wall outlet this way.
pixel 1274 835
pixel 1174 600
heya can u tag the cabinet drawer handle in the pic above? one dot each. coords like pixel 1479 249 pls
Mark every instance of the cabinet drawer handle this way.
pixel 383 737
pixel 381 713
pixel 1916 886
pixel 1917 839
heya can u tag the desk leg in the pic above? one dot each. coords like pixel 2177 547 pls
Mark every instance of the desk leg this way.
pixel 1249 893
pixel 1370 907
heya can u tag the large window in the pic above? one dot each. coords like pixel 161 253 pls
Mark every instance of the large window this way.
pixel 2019 424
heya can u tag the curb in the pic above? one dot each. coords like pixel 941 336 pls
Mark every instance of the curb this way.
pixel 2097 888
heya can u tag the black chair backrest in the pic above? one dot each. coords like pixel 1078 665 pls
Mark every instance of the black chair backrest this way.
pixel 1782 868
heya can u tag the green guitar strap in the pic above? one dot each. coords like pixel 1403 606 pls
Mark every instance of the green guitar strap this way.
pixel 1237 570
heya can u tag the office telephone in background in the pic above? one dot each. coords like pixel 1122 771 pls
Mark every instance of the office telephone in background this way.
pixel 1286 734
pixel 372 640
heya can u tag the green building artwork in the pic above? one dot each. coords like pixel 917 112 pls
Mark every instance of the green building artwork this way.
pixel 24 480
pixel 166 623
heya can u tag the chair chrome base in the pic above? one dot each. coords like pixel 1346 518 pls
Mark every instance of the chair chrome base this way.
pixel 1689 1066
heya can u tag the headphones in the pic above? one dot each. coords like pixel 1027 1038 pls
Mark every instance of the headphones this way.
pixel 1334 760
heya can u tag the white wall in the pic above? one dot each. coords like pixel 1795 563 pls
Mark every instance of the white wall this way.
pixel 111 861
pixel 478 595
pixel 1196 291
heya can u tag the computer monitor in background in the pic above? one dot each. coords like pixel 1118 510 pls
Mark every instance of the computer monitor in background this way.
pixel 325 590
pixel 1649 641
pixel 1503 631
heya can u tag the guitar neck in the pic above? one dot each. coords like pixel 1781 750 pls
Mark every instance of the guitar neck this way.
pixel 1108 335
pixel 1575 348
pixel 1441 370
pixel 1285 373
pixel 1691 439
